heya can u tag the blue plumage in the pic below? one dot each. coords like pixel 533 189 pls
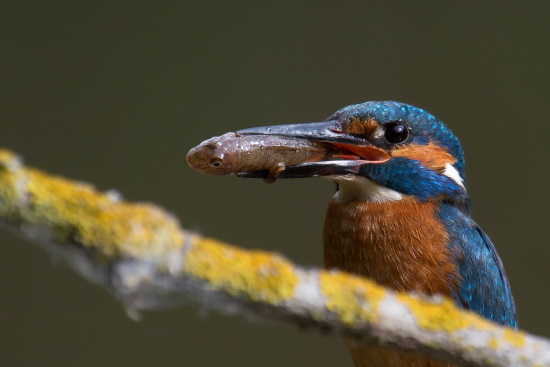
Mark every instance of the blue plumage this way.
pixel 484 287
pixel 410 177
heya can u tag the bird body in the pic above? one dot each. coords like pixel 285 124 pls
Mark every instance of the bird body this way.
pixel 401 212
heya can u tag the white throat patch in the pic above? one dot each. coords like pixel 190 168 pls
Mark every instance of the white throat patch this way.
pixel 352 187
pixel 453 174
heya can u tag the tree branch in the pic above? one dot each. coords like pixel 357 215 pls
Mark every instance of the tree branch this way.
pixel 140 253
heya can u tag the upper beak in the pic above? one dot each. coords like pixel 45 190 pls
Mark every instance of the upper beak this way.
pixel 327 131
pixel 348 152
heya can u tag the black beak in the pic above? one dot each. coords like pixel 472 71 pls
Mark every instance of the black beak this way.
pixel 350 152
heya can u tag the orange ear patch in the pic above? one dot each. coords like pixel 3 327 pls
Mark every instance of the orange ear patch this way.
pixel 361 127
pixel 432 155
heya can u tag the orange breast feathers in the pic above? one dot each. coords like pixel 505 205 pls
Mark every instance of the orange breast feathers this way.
pixel 400 244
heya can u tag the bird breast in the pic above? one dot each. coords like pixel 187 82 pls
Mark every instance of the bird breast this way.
pixel 399 244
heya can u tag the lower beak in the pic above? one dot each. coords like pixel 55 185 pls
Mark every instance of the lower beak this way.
pixel 348 152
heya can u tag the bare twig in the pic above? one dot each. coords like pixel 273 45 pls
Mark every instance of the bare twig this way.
pixel 140 253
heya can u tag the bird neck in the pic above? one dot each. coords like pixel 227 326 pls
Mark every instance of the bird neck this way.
pixel 399 244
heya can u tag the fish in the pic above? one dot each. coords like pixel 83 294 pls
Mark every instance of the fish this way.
pixel 232 153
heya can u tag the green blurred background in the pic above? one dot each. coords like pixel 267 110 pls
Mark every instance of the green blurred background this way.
pixel 116 93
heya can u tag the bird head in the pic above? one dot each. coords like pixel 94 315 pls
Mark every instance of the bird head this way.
pixel 382 151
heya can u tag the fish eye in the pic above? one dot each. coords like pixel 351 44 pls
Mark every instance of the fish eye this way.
pixel 216 162
pixel 396 133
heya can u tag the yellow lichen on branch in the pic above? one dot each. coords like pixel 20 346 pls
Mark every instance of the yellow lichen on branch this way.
pixel 444 316
pixel 74 211
pixel 141 254
pixel 346 295
pixel 260 275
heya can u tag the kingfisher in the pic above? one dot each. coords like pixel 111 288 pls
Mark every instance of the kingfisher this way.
pixel 401 213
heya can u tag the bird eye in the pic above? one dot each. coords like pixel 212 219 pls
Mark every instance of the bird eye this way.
pixel 216 162
pixel 396 133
